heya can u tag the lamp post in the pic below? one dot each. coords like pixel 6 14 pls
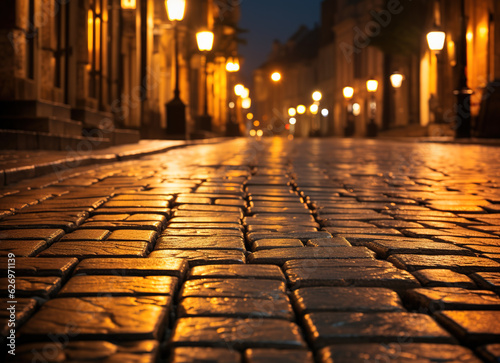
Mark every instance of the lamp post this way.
pixel 463 92
pixel 314 109
pixel 176 109
pixel 396 82
pixel 205 41
pixel 348 93
pixel 371 87
pixel 232 66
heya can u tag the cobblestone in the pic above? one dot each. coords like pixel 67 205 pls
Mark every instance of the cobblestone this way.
pixel 259 251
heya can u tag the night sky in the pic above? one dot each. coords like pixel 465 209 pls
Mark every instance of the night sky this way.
pixel 267 20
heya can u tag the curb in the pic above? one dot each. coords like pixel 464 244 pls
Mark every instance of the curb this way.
pixel 17 174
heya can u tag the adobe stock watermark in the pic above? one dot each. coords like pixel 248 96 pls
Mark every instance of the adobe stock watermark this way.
pixel 363 37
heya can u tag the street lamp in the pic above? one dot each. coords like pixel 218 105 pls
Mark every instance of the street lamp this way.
pixel 301 109
pixel 292 112
pixel 205 41
pixel 371 87
pixel 239 89
pixel 397 79
pixel 232 66
pixel 463 92
pixel 128 4
pixel 276 76
pixel 176 110
pixel 348 93
pixel 435 40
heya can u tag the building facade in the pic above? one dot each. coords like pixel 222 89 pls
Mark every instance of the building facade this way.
pixel 361 40
pixel 105 69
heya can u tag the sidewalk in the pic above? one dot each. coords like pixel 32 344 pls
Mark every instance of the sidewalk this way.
pixel 17 165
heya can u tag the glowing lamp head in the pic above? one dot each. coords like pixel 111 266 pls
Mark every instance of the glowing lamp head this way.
pixel 371 85
pixel 245 93
pixel 205 40
pixel 239 89
pixel 292 112
pixel 435 40
pixel 397 79
pixel 232 64
pixel 314 109
pixel 276 76
pixel 325 112
pixel 348 92
pixel 301 109
pixel 317 96
pixel 356 109
pixel 175 9
pixel 246 103
pixel 292 121
pixel 128 4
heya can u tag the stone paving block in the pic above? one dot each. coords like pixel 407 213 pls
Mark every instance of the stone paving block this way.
pixel 136 204
pixel 22 248
pixel 204 355
pixel 278 219
pixel 490 353
pixel 99 318
pixel 32 266
pixel 86 235
pixel 235 288
pixel 309 265
pixel 279 256
pixel 156 226
pixel 32 286
pixel 328 242
pixel 206 219
pixel 236 333
pixel 96 285
pixel 88 249
pixel 132 210
pixel 356 299
pixel 460 264
pixel 328 219
pixel 202 257
pixel 25 308
pixel 133 267
pixel 303 236
pixel 472 327
pixel 397 353
pixel 259 272
pixel 488 280
pixel 453 298
pixel 351 276
pixel 462 241
pixel 372 231
pixel 235 307
pixel 200 243
pixel 283 228
pixel 385 248
pixel 280 210
pixel 133 235
pixel 261 355
pixel 348 224
pixel 48 235
pixel 145 351
pixel 192 200
pixel 340 328
pixel 443 278
pixel 268 244
pixel 395 224
pixel 25 222
pixel 222 209
pixel 188 232
pixel 217 226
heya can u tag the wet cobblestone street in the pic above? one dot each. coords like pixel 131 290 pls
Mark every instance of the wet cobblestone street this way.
pixel 312 250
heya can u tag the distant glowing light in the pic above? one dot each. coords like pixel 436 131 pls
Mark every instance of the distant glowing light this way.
pixel 356 109
pixel 292 121
pixel 231 104
pixel 245 93
pixel 276 76
pixel 246 103
pixel 238 89
pixel 397 79
pixel 435 40
pixel 317 96
pixel 260 133
pixel 348 92
pixel 253 133
pixel 249 116
pixel 325 112
pixel 314 108
pixel 301 109
pixel 292 112
pixel 256 123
